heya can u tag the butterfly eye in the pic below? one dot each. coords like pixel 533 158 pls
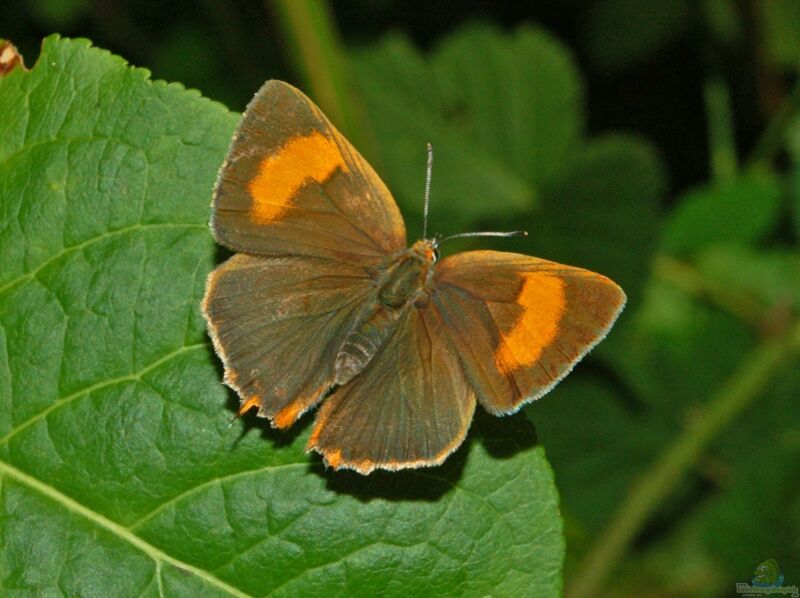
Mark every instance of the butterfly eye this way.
pixel 436 255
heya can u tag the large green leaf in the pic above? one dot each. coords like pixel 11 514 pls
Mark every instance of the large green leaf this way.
pixel 737 211
pixel 519 97
pixel 120 471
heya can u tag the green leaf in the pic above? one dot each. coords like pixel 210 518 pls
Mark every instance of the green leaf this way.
pixel 502 111
pixel 518 96
pixel 119 470
pixel 770 277
pixel 461 528
pixel 738 211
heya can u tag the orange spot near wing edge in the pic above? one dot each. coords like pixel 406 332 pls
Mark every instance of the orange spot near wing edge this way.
pixel 254 401
pixel 289 414
pixel 334 458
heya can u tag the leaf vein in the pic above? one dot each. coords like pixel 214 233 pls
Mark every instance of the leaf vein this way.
pixel 207 484
pixel 119 232
pixel 104 384
pixel 114 528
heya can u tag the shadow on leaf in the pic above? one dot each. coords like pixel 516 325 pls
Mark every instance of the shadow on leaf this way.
pixel 277 438
pixel 501 438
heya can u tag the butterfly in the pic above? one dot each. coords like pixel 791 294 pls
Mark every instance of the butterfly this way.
pixel 323 302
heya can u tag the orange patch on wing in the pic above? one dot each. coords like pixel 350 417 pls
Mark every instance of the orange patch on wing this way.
pixel 281 175
pixel 334 459
pixel 543 301
pixel 312 441
pixel 289 414
pixel 254 401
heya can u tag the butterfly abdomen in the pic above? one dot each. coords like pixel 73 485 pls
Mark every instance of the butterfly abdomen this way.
pixel 363 343
pixel 403 281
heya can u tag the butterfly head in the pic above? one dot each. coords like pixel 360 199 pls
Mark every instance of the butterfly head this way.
pixel 426 250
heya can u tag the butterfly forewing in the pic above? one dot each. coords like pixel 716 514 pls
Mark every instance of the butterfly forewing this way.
pixel 292 184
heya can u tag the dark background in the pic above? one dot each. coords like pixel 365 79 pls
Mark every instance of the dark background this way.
pixel 653 86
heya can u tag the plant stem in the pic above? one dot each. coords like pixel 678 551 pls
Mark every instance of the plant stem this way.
pixel 722 147
pixel 317 53
pixel 773 136
pixel 648 493
pixel 690 280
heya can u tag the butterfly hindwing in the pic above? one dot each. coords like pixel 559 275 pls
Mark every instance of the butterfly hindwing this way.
pixel 276 321
pixel 521 323
pixel 411 406
pixel 292 184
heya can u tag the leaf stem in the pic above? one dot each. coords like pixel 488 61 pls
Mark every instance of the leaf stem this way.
pixel 773 136
pixel 319 58
pixel 649 492
pixel 722 147
pixel 690 280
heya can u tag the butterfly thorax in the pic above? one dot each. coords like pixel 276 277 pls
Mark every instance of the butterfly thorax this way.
pixel 403 282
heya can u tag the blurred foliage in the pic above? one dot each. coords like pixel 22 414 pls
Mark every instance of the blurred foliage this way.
pixel 730 205
pixel 657 143
pixel 780 20
pixel 612 46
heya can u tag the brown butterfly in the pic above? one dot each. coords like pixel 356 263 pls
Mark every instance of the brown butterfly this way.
pixel 324 301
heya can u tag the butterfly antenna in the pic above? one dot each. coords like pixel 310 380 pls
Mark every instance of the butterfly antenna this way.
pixel 513 233
pixel 436 241
pixel 427 192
